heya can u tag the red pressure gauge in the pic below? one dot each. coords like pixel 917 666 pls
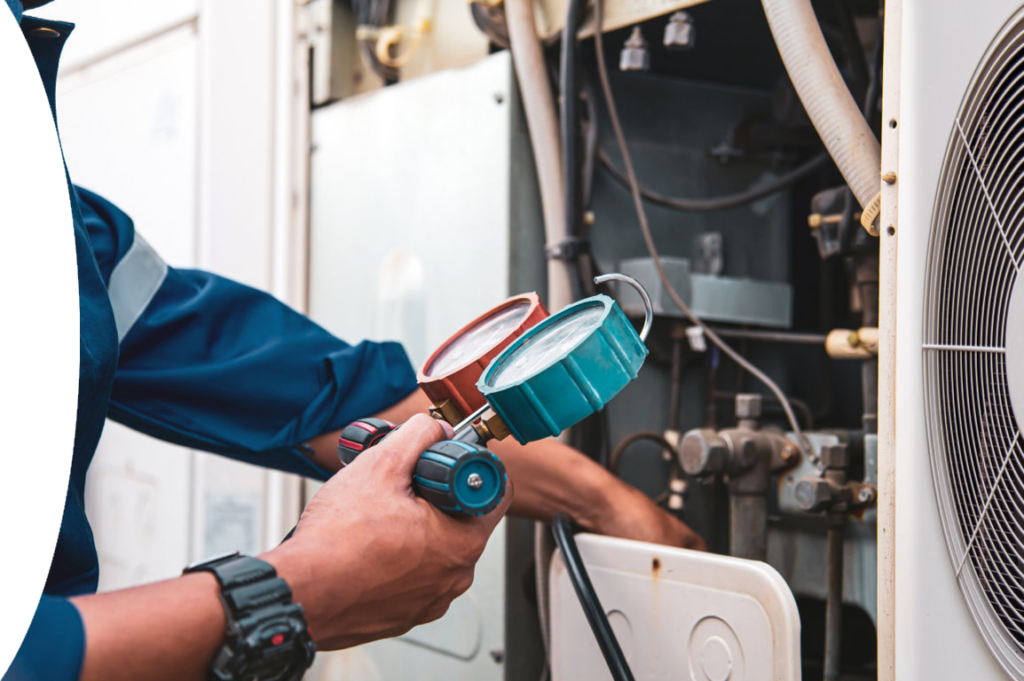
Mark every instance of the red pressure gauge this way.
pixel 449 376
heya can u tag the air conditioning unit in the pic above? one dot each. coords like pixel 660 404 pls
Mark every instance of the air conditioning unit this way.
pixel 956 245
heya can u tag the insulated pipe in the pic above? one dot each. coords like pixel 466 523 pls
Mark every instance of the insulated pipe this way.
pixel 827 100
pixel 542 120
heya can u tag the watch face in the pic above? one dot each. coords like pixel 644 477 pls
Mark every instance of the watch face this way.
pixel 279 650
pixel 272 647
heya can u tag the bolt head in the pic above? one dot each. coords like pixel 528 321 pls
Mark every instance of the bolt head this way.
pixel 703 452
pixel 813 495
pixel 475 481
pixel 748 406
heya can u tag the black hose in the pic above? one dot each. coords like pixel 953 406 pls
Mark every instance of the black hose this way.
pixel 491 21
pixel 590 145
pixel 716 203
pixel 617 664
pixel 633 438
pixel 570 134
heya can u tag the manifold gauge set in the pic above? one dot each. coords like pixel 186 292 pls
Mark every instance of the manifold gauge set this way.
pixel 514 370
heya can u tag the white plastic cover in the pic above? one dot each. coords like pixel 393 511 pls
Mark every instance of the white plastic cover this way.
pixel 677 614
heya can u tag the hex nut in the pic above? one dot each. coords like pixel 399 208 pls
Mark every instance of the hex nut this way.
pixel 835 457
pixel 748 406
pixel 703 452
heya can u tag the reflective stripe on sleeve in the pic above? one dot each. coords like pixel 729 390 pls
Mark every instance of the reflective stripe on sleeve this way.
pixel 133 283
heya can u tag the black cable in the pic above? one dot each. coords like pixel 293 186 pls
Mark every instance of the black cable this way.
pixel 374 13
pixel 570 119
pixel 491 21
pixel 855 56
pixel 590 144
pixel 617 664
pixel 633 438
pixel 715 203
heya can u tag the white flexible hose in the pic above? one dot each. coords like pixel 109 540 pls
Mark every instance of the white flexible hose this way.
pixel 825 96
pixel 542 120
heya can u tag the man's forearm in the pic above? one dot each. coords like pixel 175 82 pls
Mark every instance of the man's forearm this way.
pixel 166 630
pixel 555 478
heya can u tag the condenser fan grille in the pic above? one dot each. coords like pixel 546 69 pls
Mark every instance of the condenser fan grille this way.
pixel 976 248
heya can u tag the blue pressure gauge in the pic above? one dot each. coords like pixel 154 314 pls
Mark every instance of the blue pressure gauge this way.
pixel 565 368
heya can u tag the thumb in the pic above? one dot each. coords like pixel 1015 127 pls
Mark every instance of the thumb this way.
pixel 400 451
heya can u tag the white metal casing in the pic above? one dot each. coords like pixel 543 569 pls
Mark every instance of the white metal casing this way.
pixel 942 42
pixel 677 614
pixel 407 244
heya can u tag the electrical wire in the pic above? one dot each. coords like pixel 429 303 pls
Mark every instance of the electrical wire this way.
pixel 652 249
pixel 716 203
pixel 617 664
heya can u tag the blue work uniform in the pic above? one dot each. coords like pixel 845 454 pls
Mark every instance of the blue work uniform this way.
pixel 190 358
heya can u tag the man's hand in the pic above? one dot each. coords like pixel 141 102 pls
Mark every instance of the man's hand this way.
pixel 369 559
pixel 630 514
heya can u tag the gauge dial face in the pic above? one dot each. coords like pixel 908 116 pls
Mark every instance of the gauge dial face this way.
pixel 482 337
pixel 547 346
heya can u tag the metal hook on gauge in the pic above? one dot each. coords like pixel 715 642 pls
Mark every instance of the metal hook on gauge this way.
pixel 648 307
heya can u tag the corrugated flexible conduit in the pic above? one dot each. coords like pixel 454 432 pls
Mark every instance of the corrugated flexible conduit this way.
pixel 542 120
pixel 827 99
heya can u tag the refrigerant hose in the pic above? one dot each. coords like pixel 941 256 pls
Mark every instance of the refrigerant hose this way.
pixel 606 640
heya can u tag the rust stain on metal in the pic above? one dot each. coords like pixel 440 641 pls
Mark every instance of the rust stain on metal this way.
pixel 655 567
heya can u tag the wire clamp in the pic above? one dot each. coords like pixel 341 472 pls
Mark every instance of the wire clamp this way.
pixel 695 337
pixel 569 248
pixel 870 214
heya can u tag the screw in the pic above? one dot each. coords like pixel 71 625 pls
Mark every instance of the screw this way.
pixel 865 495
pixel 475 481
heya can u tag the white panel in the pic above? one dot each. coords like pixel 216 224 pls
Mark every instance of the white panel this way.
pixel 935 636
pixel 409 241
pixel 137 499
pixel 417 171
pixel 109 25
pixel 237 134
pixel 676 614
pixel 129 134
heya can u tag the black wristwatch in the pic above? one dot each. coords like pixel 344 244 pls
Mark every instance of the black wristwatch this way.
pixel 267 638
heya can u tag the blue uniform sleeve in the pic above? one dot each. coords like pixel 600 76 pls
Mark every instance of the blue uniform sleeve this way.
pixel 215 365
pixel 54 646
